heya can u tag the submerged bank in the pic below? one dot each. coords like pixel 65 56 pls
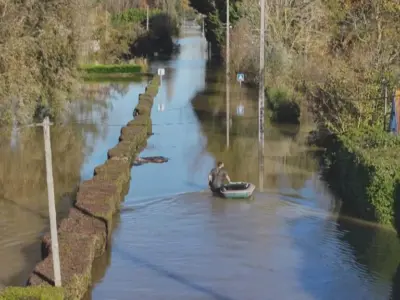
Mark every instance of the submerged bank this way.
pixel 84 234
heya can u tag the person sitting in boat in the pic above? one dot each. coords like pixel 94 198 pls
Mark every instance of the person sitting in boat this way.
pixel 217 176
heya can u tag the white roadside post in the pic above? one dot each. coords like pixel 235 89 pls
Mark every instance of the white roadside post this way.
pixel 52 205
pixel 240 78
pixel 161 73
pixel 240 108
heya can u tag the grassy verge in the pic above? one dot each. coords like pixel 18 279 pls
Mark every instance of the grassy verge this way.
pixel 135 77
pixel 362 167
pixel 111 69
pixel 32 293
pixel 132 71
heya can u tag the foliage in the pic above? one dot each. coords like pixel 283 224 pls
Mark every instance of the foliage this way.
pixel 134 15
pixel 38 53
pixel 121 68
pixel 283 106
pixel 335 53
pixel 215 20
pixel 362 166
pixel 158 40
pixel 33 293
pixel 43 43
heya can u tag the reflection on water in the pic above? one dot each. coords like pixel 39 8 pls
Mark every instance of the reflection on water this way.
pixel 77 148
pixel 175 241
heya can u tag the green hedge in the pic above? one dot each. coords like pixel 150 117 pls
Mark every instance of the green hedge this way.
pixel 108 69
pixel 32 293
pixel 362 166
pixel 283 109
pixel 134 15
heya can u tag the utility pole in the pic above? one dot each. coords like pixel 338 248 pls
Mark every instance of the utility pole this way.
pixel 106 17
pixel 227 74
pixel 261 94
pixel 52 205
pixel 386 104
pixel 147 17
pixel 203 26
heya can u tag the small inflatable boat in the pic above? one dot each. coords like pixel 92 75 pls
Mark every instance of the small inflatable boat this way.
pixel 237 190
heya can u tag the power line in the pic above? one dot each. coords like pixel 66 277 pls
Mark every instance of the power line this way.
pixel 84 123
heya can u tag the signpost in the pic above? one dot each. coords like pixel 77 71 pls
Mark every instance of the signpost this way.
pixel 240 78
pixel 240 110
pixel 161 73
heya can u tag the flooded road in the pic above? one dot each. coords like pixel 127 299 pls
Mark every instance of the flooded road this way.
pixel 175 241
pixel 93 127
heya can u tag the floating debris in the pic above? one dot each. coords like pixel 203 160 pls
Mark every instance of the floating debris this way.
pixel 150 159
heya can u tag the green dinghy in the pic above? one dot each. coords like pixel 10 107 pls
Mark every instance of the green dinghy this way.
pixel 238 190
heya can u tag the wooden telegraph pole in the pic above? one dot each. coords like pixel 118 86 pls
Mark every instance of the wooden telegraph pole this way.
pixel 147 17
pixel 261 94
pixel 385 86
pixel 52 205
pixel 227 74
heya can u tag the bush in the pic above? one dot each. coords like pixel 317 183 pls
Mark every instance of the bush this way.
pixel 362 167
pixel 158 39
pixel 105 69
pixel 283 108
pixel 134 15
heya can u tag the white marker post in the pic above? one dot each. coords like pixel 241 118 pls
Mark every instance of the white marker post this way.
pixel 52 205
pixel 240 108
pixel 161 73
pixel 240 78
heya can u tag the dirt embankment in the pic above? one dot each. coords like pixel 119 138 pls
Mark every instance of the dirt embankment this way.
pixel 84 234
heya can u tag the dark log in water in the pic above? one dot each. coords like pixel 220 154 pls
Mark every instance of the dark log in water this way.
pixel 150 159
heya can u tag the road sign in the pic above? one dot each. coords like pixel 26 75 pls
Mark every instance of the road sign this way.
pixel 161 72
pixel 240 77
pixel 240 110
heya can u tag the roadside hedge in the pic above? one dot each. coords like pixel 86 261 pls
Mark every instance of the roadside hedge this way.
pixel 362 166
pixel 107 69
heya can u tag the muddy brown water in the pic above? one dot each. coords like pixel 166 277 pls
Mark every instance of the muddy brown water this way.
pixel 93 126
pixel 173 240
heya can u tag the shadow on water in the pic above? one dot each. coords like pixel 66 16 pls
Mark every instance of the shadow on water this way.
pixel 396 285
pixel 345 253
pixel 286 156
pixel 23 191
pixel 160 270
pixel 376 248
pixel 101 263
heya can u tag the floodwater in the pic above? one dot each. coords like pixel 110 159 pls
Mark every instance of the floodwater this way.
pixel 93 125
pixel 173 240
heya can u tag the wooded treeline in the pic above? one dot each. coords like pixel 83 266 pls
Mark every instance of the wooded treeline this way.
pixel 43 42
pixel 335 53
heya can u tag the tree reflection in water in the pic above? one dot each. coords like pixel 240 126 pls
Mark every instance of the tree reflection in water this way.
pixel 23 192
pixel 286 156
